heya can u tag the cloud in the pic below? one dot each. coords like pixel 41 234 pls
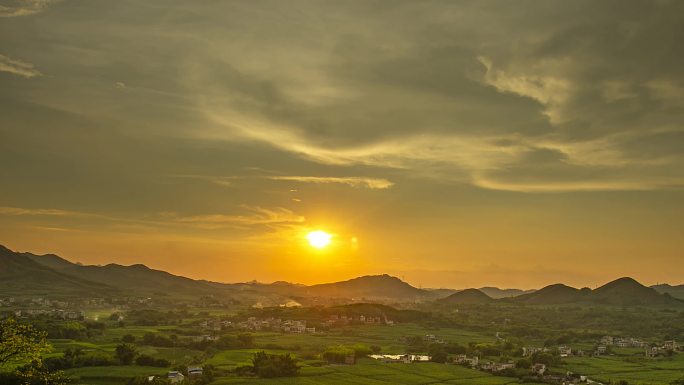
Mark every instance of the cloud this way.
pixel 17 211
pixel 25 7
pixel 18 67
pixel 437 104
pixel 424 90
pixel 272 217
pixel 371 183
pixel 352 181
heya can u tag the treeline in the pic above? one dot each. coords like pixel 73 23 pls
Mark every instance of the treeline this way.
pixel 270 366
pixel 125 354
pixel 74 330
pixel 228 341
pixel 152 317
pixel 319 313
pixel 553 321
pixel 340 354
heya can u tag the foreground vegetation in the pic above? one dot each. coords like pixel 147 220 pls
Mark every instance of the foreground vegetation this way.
pixel 127 347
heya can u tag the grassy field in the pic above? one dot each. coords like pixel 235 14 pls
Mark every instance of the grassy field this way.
pixel 626 364
pixel 635 369
pixel 110 375
pixel 369 372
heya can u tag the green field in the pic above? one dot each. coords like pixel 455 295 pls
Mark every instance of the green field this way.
pixel 626 364
pixel 635 369
pixel 371 372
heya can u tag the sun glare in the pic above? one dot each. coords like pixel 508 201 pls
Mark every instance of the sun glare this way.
pixel 318 239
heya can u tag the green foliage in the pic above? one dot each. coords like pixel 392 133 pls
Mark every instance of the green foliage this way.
pixel 338 354
pixel 128 338
pixel 547 359
pixel 158 380
pixel 523 364
pixel 437 353
pixel 240 341
pixel 34 374
pixel 76 358
pixel 160 340
pixel 21 343
pixel 274 365
pixel 145 360
pixel 125 353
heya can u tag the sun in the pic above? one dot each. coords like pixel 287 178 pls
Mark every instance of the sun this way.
pixel 318 239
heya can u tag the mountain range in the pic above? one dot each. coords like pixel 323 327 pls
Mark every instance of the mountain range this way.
pixel 26 274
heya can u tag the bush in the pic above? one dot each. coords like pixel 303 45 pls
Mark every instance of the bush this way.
pixel 125 353
pixel 128 338
pixel 274 365
pixel 145 360
pixel 338 354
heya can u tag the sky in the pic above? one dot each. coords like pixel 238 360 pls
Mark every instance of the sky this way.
pixel 449 143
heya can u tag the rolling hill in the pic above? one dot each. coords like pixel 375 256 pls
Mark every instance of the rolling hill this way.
pixel 19 275
pixel 368 287
pixel 468 297
pixel 627 291
pixel 620 292
pixel 675 291
pixel 496 293
pixel 51 275
pixel 135 278
pixel 552 294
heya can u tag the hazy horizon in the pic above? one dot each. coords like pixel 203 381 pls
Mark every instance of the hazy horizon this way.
pixel 454 144
pixel 454 286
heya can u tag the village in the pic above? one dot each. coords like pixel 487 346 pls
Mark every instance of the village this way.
pixel 298 326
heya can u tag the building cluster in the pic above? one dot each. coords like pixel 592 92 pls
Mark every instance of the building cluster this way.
pixel 563 351
pixel 33 302
pixel 433 339
pixel 215 325
pixel 666 348
pixel 622 342
pixel 52 313
pixel 400 358
pixel 343 320
pixel 176 377
pixel 275 324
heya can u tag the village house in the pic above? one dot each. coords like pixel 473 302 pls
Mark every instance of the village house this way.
pixel 400 358
pixel 670 345
pixel 538 369
pixel 564 351
pixel 175 377
pixel 195 372
pixel 607 340
pixel 653 352
pixel 464 359
pixel 528 351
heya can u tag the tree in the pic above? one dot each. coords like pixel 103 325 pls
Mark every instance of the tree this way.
pixel 274 365
pixel 128 338
pixel 437 353
pixel 338 354
pixel 125 353
pixel 20 343
pixel 33 374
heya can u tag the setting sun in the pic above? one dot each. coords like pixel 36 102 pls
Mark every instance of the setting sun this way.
pixel 319 239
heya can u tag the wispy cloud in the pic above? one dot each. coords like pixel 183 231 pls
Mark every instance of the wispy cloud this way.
pixel 25 7
pixel 371 183
pixel 352 181
pixel 18 211
pixel 18 67
pixel 256 216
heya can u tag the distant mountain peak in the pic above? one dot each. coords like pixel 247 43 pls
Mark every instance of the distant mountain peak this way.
pixel 468 297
